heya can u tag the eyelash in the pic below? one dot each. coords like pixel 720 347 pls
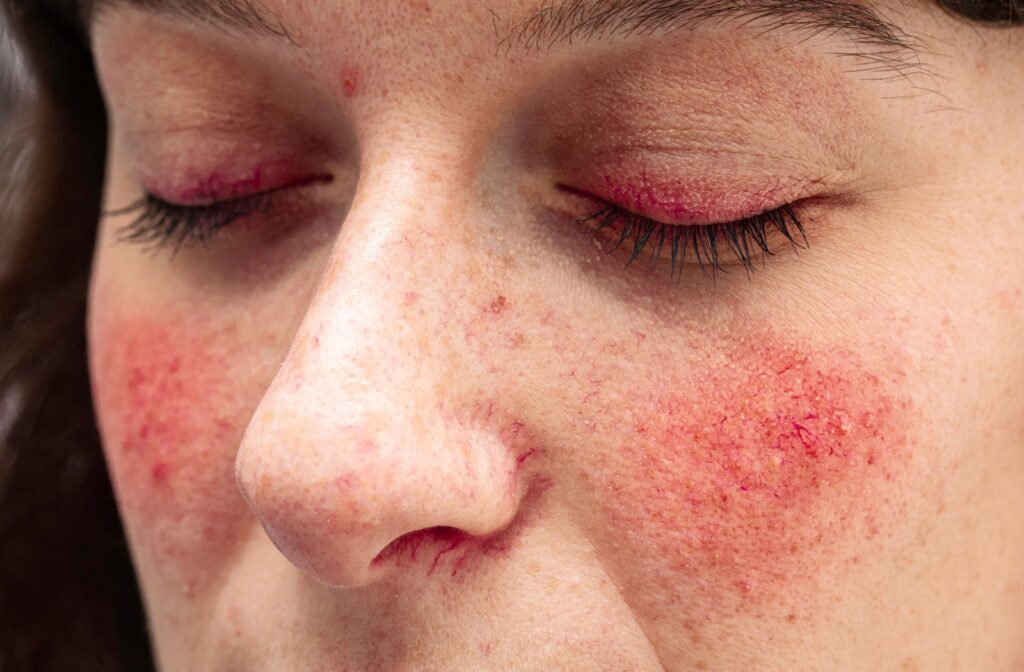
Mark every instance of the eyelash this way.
pixel 159 223
pixel 746 239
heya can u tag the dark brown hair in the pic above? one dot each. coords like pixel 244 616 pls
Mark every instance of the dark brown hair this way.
pixel 68 597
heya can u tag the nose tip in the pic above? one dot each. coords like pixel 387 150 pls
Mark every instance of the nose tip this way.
pixel 361 508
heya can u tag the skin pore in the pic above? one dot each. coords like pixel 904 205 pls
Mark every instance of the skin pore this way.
pixel 407 412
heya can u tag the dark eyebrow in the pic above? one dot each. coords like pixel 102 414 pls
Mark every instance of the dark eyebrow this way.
pixel 880 43
pixel 244 16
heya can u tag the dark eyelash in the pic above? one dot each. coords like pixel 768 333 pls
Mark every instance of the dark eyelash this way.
pixel 159 223
pixel 746 239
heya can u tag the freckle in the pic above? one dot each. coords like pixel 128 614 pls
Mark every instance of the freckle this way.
pixel 909 665
pixel 873 528
pixel 349 81
pixel 235 617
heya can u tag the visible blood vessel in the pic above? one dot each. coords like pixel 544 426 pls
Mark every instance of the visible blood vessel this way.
pixel 695 201
pixel 749 464
pixel 226 183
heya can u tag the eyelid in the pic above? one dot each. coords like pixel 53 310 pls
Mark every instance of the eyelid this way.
pixel 212 191
pixel 160 223
pixel 694 200
pixel 745 239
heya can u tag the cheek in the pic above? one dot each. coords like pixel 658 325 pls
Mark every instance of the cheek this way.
pixel 741 476
pixel 171 418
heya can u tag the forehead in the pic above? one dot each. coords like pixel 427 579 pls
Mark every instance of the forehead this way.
pixel 433 27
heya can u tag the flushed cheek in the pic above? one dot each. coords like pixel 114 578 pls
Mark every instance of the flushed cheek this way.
pixel 752 470
pixel 171 421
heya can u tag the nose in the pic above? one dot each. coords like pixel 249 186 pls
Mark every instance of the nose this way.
pixel 369 453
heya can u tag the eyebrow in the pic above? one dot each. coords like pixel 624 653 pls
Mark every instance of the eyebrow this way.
pixel 244 16
pixel 881 44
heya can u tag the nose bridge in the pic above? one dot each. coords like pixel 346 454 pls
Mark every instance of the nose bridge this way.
pixel 368 333
pixel 356 444
pixel 377 321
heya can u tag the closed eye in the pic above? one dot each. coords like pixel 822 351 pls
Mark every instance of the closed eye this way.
pixel 713 247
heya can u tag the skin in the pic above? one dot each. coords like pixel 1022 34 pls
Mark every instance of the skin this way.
pixel 412 416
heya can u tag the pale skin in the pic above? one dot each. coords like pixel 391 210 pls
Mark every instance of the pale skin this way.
pixel 411 415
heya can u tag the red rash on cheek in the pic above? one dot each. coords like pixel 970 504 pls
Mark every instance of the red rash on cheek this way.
pixel 748 471
pixel 170 430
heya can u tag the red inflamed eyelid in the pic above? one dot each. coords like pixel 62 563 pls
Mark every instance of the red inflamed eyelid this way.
pixel 199 187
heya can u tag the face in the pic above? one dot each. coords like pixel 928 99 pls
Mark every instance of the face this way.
pixel 424 337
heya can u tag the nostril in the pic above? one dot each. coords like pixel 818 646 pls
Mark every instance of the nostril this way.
pixel 442 550
pixel 414 546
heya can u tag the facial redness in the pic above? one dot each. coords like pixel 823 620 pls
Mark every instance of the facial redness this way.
pixel 754 468
pixel 170 428
pixel 200 187
pixel 694 201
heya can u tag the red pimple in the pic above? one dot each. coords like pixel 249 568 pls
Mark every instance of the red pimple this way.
pixel 499 305
pixel 349 81
pixel 160 472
